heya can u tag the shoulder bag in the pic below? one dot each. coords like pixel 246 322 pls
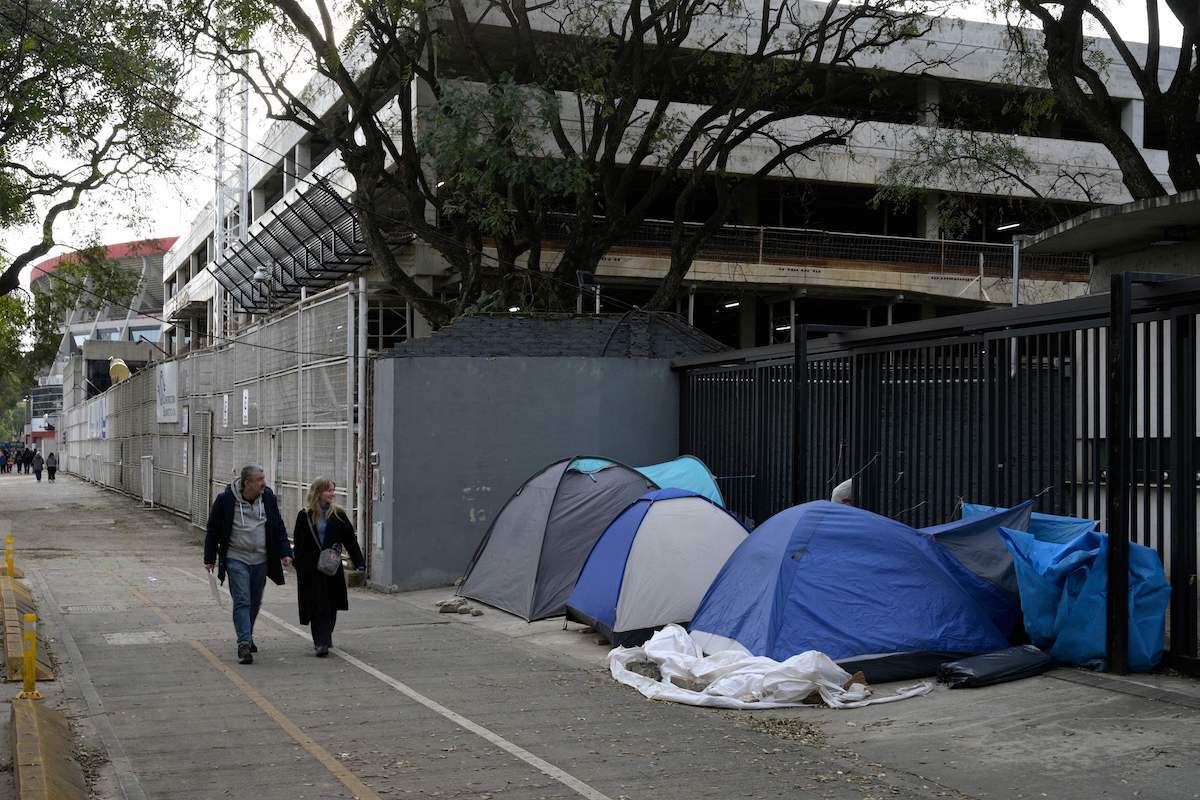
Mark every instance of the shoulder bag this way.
pixel 330 558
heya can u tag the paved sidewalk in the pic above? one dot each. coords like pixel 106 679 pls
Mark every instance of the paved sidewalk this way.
pixel 420 704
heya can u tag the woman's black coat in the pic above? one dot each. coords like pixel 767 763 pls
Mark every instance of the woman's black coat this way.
pixel 315 590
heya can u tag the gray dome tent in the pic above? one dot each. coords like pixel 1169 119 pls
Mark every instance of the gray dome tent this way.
pixel 528 562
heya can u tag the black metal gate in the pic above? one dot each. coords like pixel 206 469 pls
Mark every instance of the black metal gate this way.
pixel 993 407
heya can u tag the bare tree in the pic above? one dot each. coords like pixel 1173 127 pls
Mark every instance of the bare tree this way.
pixel 1075 68
pixel 565 121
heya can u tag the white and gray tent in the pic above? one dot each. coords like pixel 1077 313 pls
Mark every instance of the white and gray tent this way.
pixel 653 565
pixel 528 562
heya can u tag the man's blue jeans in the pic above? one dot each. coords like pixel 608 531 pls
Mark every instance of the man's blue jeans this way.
pixel 246 582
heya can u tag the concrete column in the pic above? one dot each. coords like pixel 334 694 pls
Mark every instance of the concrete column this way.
pixel 929 95
pixel 289 171
pixel 1133 121
pixel 421 327
pixel 302 156
pixel 258 202
pixel 747 321
pixel 928 223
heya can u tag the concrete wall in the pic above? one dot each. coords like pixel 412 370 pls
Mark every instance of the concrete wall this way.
pixel 456 437
pixel 1182 258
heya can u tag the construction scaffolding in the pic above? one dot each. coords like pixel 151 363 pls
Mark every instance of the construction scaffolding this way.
pixel 282 394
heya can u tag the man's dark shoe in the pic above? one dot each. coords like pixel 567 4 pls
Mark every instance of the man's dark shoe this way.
pixel 322 651
pixel 244 655
pixel 253 647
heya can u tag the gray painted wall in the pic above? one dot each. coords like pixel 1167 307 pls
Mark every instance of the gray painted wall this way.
pixel 456 437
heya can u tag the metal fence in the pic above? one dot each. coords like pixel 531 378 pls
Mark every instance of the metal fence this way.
pixel 994 407
pixel 281 394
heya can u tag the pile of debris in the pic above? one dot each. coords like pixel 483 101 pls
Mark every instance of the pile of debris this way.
pixel 457 605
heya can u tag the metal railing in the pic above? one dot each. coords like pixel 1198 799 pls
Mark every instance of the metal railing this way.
pixel 778 245
pixel 994 407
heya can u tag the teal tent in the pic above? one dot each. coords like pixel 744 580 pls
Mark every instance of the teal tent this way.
pixel 686 472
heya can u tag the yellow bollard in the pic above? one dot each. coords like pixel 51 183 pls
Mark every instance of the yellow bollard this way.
pixel 8 559
pixel 29 690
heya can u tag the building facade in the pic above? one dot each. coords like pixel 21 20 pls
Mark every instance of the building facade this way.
pixel 90 336
pixel 808 244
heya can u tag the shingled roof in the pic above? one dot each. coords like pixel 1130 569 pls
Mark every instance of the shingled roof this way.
pixel 637 334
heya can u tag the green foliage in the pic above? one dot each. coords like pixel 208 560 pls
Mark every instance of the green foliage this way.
pixel 491 145
pixel 88 99
pixel 30 324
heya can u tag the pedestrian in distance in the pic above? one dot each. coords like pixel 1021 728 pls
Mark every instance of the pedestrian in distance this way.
pixel 246 541
pixel 37 462
pixel 51 466
pixel 28 460
pixel 322 525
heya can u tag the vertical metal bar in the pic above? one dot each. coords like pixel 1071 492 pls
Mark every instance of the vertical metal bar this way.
pixel 1120 395
pixel 1160 464
pixel 1045 410
pixel 1142 479
pixel 1183 487
pixel 1081 419
pixel 1098 392
pixel 1085 416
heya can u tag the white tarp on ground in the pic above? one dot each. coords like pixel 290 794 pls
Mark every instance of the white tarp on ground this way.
pixel 740 681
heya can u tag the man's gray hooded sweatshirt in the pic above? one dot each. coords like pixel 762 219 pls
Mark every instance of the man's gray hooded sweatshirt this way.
pixel 248 535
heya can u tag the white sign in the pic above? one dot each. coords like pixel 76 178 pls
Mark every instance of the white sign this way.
pixel 245 406
pixel 166 405
pixel 185 457
pixel 225 412
pixel 185 421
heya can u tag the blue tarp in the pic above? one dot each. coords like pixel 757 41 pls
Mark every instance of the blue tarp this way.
pixel 1064 598
pixel 831 577
pixel 1045 527
pixel 685 472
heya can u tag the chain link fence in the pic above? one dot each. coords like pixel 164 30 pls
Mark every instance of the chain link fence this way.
pixel 280 394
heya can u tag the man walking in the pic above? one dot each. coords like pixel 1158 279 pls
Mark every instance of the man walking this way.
pixel 37 462
pixel 246 540
pixel 51 466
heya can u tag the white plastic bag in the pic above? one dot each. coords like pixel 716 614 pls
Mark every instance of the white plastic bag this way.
pixel 216 592
pixel 740 681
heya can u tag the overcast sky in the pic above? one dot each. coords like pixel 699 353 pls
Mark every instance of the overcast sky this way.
pixel 168 206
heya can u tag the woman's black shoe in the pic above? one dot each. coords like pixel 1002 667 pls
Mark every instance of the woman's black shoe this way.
pixel 322 652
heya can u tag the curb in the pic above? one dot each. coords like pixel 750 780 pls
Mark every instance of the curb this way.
pixel 43 763
pixel 16 600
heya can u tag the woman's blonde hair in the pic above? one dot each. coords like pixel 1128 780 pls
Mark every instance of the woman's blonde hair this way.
pixel 312 502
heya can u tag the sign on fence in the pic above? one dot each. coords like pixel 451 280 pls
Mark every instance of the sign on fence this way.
pixel 166 406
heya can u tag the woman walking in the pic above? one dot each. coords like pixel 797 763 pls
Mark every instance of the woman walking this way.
pixel 51 466
pixel 322 526
pixel 37 462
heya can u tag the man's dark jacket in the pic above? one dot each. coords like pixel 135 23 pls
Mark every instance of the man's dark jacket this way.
pixel 220 526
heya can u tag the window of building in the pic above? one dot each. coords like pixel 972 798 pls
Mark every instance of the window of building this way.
pixel 148 334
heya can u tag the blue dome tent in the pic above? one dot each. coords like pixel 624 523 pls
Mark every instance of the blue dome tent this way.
pixel 653 564
pixel 529 560
pixel 685 472
pixel 863 589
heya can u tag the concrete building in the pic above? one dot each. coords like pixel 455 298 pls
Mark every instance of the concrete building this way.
pixel 1161 234
pixel 807 245
pixel 90 336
